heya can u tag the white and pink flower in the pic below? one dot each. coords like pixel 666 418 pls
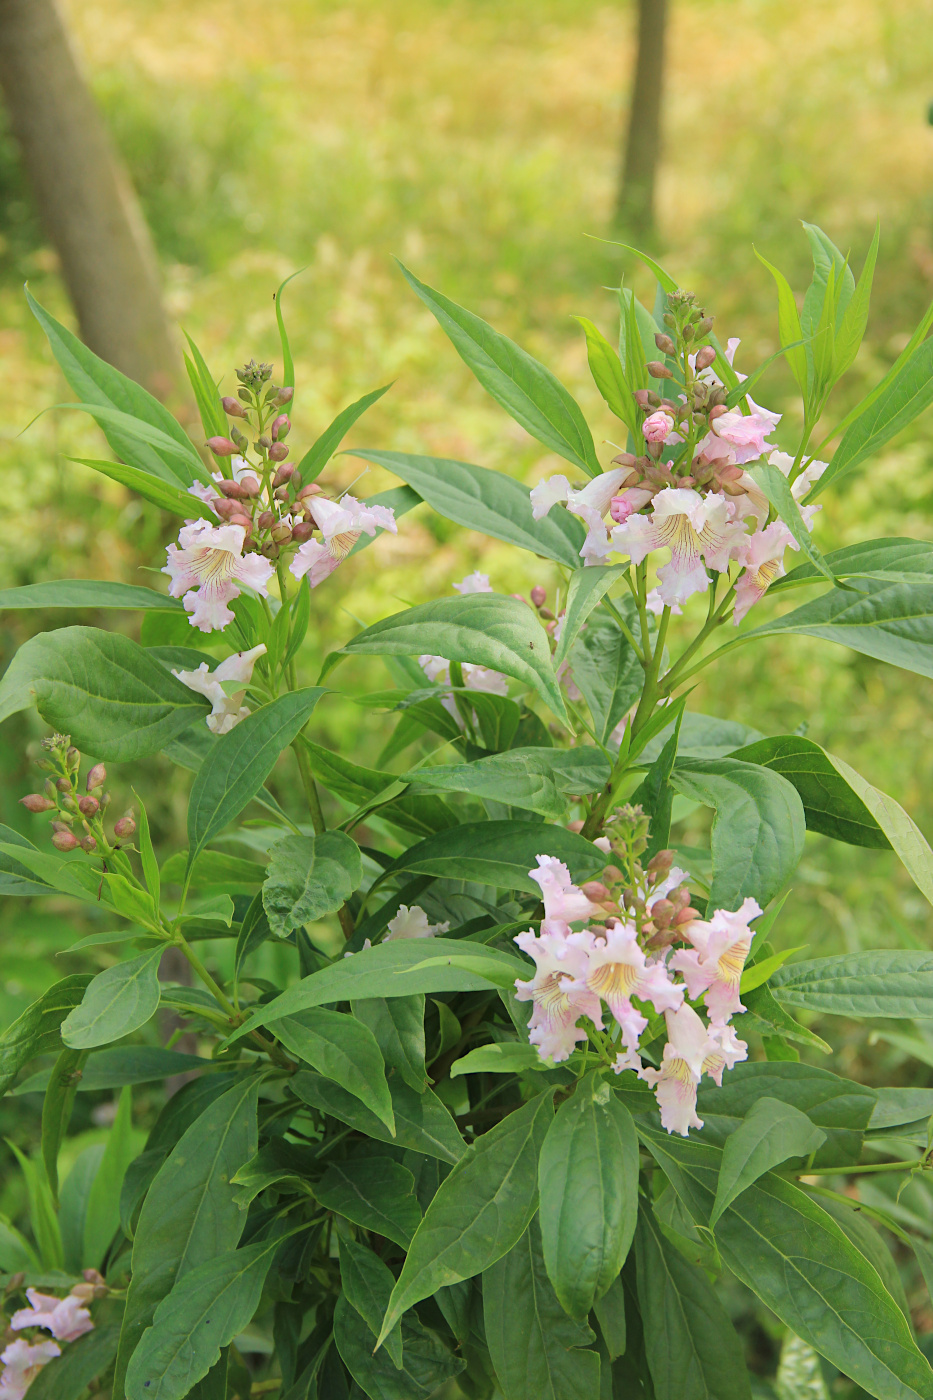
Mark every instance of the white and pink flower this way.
pixel 557 1009
pixel 762 558
pixel 209 568
pixel 713 967
pixel 617 970
pixel 688 1048
pixel 413 923
pixel 698 530
pixel 21 1364
pixel 65 1318
pixel 473 583
pixel 658 426
pixel 564 903
pixel 745 433
pixel 228 708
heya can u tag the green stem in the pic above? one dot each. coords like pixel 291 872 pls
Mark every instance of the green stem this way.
pixel 674 676
pixel 218 994
pixel 625 629
pixel 317 819
pixel 881 1167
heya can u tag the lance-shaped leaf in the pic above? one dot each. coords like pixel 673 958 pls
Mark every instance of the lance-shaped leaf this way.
pixel 527 391
pixel 588 1179
pixel 692 1349
pixel 86 593
pixel 480 1211
pixel 608 375
pixel 309 876
pixel 894 559
pixel 370 786
pixel 487 629
pixel 113 697
pixel 770 1134
pixel 789 325
pixel 758 830
pixel 320 452
pixel 608 674
pixel 538 1351
pixel 775 487
pixel 587 589
pixel 885 983
pixel 344 1050
pixel 538 780
pixel 117 1001
pixel 830 805
pixel 426 1361
pixel 376 1194
pixel 205 1310
pixel 239 763
pixel 422 1123
pixel 490 502
pixel 500 853
pixel 37 1030
pixel 367 1286
pixel 152 488
pixel 398 1025
pixel 901 830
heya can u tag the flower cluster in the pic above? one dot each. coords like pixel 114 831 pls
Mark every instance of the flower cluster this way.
pixel 689 490
pixel 266 514
pixel 66 1318
pixel 78 819
pixel 625 962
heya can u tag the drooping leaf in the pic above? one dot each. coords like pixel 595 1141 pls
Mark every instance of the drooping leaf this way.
pixel 110 694
pixel 537 780
pixel 56 1110
pixel 367 1285
pixel 758 830
pixel 499 1058
pixel 527 391
pixel 422 1123
pixel 102 1214
pixel 376 1194
pixel 116 1002
pixel 771 1132
pixel 480 1211
pixel 830 805
pixel 161 493
pixel 490 502
pixel 885 983
pixel 126 1064
pixel 902 832
pixel 239 763
pixel 588 1180
pixel 342 1049
pixel 309 876
pixel 371 787
pixel 538 1351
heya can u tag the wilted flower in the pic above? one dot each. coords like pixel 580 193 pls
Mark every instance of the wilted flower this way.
pixel 413 923
pixel 228 709
pixel 208 570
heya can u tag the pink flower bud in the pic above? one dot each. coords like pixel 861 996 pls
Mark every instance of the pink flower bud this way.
pixel 624 459
pixel 264 441
pixel 221 446
pixel 658 426
pixel 97 777
pixel 281 427
pixel 658 371
pixel 126 825
pixel 241 518
pixel 538 595
pixel 232 408
pixel 717 411
pixel 36 803
pixel 63 785
pixel 226 509
pixel 232 490
pixel 303 531
pixel 285 473
pixel 705 357
pixel 664 343
pixel 64 841
pixel 278 452
pixel 284 396
pixel 595 890
pixel 265 519
pixel 64 824
pixel 312 489
pixel 87 843
pixel 251 485
pixel 88 806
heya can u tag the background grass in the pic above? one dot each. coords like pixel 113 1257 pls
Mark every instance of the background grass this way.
pixel 479 141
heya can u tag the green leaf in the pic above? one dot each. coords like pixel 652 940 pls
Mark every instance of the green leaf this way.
pixel 398 1025
pixel 190 1213
pixel 500 1058
pixel 527 391
pixel 288 364
pixel 125 1064
pixel 775 487
pixel 902 832
pixel 376 1194
pixel 830 805
pixel 851 1218
pixel 82 1361
pixel 896 1106
pixel 147 855
pixel 588 1179
pixel 277 1163
pixel 770 1134
pixel 320 452
pixel 789 325
pixel 898 560
pixel 239 763
pixel 85 593
pixel 905 398
pixel 343 1049
pixel 367 1285
pixel 851 329
pixel 537 780
pixel 207 397
pixel 608 375
pixel 422 1123
pixel 656 795
pixel 367 787
pixel 479 1212
pixel 608 673
pixel 42 1218
pixel 102 1214
pixel 309 876
pixel 17 879
pixel 499 853
pixel 758 830
pixel 392 969
pixel 215 868
pixel 587 588
pixel 117 1001
pixel 254 931
pixel 890 984
pixel 37 1030
pixel 485 628
pixel 56 1110
pixel 97 383
pixel 487 501
pixel 164 494
pixel 692 1349
pixel 205 1310
pixel 426 1363
pixel 538 1351
pixel 110 694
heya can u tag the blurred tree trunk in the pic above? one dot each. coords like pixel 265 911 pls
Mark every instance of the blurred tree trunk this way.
pixel 83 196
pixel 635 205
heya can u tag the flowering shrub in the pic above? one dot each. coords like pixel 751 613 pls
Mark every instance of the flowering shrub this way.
pixel 549 1088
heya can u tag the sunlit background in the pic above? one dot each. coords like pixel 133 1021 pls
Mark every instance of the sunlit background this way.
pixel 480 142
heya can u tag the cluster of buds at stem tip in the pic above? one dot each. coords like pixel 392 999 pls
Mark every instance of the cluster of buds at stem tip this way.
pixel 77 815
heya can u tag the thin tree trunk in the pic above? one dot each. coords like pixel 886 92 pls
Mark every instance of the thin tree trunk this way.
pixel 83 195
pixel 635 206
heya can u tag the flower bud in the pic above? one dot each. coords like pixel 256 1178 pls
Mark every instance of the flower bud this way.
pixel 63 785
pixel 251 485
pixel 72 758
pixel 281 533
pixel 125 825
pixel 270 549
pixel 285 473
pixel 624 459
pixel 281 427
pixel 665 344
pixel 281 493
pixel 596 891
pixel 538 595
pixel 658 371
pixel 264 441
pixel 87 843
pixel 68 802
pixel 641 397
pixel 278 452
pixel 662 912
pixel 705 357
pixel 221 446
pixel 717 411
pixel 661 862
pixel 64 841
pixel 284 396
pixel 312 489
pixel 244 394
pixel 303 531
pixel 686 916
pixel 227 509
pixel 232 408
pixel 105 801
pixel 88 806
pixel 704 326
pixel 232 490
pixel 241 518
pixel 241 440
pixel 50 790
pixel 36 803
pixel 265 519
